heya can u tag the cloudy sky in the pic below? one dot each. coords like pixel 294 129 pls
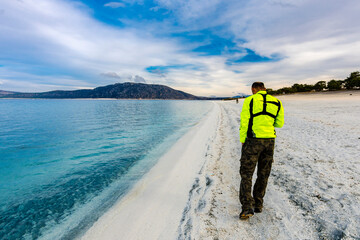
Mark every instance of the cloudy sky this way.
pixel 204 47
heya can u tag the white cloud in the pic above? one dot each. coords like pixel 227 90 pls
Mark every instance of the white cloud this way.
pixel 318 40
pixel 124 77
pixel 114 4
pixel 27 82
pixel 33 86
pixel 111 75
pixel 138 79
pixel 313 35
pixel 56 33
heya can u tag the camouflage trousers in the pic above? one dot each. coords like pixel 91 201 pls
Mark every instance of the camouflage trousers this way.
pixel 255 151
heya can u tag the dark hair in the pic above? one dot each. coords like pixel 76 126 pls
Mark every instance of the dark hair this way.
pixel 258 85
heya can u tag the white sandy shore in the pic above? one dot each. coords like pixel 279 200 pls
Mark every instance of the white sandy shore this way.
pixel 153 209
pixel 192 193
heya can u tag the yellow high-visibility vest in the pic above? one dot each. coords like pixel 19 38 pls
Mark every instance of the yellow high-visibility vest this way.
pixel 260 114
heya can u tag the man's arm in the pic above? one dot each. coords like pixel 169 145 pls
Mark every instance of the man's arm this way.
pixel 244 120
pixel 279 121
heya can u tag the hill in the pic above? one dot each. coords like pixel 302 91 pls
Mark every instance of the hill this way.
pixel 119 90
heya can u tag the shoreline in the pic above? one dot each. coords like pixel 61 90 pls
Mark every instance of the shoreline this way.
pixel 336 92
pixel 154 207
pixel 135 99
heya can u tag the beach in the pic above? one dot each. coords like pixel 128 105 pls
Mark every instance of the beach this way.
pixel 119 120
pixel 192 192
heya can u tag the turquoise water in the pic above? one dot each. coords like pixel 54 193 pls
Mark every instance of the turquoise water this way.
pixel 63 163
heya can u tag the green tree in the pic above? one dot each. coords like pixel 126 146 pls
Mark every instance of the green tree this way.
pixel 286 90
pixel 270 91
pixel 308 87
pixel 319 86
pixel 353 80
pixel 302 87
pixel 297 87
pixel 334 85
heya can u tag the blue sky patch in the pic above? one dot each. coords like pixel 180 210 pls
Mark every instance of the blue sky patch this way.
pixel 252 57
pixel 212 41
pixel 217 46
pixel 112 12
pixel 162 70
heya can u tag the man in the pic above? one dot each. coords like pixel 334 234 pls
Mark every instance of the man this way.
pixel 260 114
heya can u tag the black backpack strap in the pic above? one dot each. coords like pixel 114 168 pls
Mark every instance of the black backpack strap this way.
pixel 279 106
pixel 264 104
pixel 249 131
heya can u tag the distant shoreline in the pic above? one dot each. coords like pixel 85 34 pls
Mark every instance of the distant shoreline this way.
pixel 336 92
pixel 333 93
pixel 107 99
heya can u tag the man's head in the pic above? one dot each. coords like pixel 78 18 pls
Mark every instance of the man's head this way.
pixel 257 86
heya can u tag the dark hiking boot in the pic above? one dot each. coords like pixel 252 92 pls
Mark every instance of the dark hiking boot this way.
pixel 258 209
pixel 246 213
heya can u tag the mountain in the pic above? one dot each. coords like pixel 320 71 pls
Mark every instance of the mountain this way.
pixel 126 90
pixel 241 95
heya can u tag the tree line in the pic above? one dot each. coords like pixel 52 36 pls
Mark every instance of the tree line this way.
pixel 351 82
